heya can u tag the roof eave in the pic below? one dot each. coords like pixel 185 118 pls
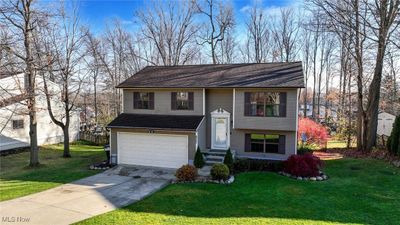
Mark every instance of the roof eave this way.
pixel 153 128
pixel 155 87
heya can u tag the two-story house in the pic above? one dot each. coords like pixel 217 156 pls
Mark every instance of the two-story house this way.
pixel 168 111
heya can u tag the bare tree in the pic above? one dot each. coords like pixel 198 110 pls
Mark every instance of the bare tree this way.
pixel 259 34
pixel 22 16
pixel 386 20
pixel 62 43
pixel 220 19
pixel 306 53
pixel 364 21
pixel 93 63
pixel 115 60
pixel 228 47
pixel 285 32
pixel 170 27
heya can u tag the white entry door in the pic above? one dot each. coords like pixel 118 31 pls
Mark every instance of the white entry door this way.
pixel 221 133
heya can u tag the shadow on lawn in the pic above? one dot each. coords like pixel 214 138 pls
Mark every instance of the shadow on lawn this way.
pixel 53 168
pixel 364 196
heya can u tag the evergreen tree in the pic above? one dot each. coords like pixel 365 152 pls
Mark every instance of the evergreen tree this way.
pixel 198 159
pixel 394 139
pixel 228 160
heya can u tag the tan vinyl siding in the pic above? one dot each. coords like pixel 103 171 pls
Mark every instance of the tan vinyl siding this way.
pixel 162 102
pixel 238 144
pixel 215 99
pixel 287 123
pixel 201 135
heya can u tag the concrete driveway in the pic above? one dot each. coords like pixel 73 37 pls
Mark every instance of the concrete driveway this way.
pixel 87 197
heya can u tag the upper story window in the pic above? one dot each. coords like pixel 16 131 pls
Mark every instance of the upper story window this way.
pixel 182 100
pixel 265 104
pixel 17 124
pixel 143 100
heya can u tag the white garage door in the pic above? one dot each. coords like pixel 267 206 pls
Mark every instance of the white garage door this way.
pixel 160 150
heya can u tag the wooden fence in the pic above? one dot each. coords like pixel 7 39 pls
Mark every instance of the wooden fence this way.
pixel 98 139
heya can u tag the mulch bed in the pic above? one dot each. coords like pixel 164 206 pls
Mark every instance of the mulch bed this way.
pixel 336 153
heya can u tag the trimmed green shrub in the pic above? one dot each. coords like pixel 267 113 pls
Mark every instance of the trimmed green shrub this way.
pixel 198 159
pixel 219 171
pixel 186 173
pixel 228 160
pixel 246 165
pixel 304 150
pixel 393 143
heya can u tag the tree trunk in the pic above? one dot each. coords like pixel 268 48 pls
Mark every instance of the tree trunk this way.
pixel 66 153
pixel 34 151
pixel 349 127
pixel 374 95
pixel 30 87
pixel 305 101
pixel 95 99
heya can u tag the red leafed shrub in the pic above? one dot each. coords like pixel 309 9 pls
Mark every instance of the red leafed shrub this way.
pixel 306 165
pixel 186 173
pixel 315 132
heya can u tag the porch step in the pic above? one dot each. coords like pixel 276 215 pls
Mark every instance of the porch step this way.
pixel 214 156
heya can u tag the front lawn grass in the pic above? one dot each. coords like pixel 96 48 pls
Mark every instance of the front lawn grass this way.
pixel 17 179
pixel 359 191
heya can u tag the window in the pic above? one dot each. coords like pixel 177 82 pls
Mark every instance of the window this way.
pixel 18 124
pixel 143 100
pixel 265 104
pixel 182 100
pixel 265 143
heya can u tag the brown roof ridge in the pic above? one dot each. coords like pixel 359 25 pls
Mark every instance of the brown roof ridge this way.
pixel 11 100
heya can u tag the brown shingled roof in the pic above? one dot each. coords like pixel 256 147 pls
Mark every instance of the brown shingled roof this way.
pixel 220 75
pixel 151 121
pixel 12 100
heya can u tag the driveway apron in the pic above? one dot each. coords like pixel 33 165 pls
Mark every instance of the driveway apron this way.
pixel 82 199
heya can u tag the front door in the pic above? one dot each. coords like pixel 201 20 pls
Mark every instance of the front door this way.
pixel 220 134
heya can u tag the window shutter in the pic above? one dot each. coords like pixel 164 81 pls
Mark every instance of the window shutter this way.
pixel 281 144
pixel 282 104
pixel 247 106
pixel 151 100
pixel 135 99
pixel 247 142
pixel 191 98
pixel 173 100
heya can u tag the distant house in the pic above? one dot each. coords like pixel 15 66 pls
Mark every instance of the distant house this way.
pixel 14 119
pixel 332 114
pixel 385 123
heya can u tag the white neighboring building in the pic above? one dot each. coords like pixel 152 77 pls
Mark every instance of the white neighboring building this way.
pixel 385 123
pixel 14 120
pixel 331 112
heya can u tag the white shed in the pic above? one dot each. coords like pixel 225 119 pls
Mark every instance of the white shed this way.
pixel 385 123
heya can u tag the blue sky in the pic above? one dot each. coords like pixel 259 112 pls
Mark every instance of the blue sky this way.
pixel 96 13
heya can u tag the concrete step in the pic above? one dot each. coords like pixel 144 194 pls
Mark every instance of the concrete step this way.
pixel 215 157
pixel 215 153
pixel 217 150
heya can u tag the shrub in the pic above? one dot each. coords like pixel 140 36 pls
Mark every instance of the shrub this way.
pixel 228 160
pixel 198 159
pixel 306 165
pixel 245 165
pixel 186 173
pixel 393 143
pixel 219 172
pixel 304 150
pixel 315 132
